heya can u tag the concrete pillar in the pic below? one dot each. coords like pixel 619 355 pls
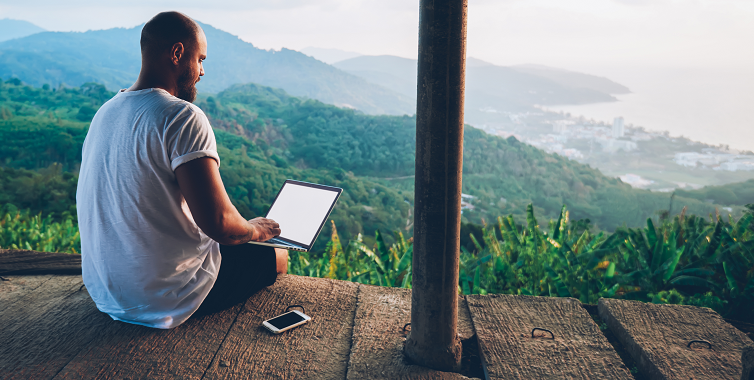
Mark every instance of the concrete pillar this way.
pixel 437 187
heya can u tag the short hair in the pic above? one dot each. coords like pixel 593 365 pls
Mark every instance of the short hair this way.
pixel 166 29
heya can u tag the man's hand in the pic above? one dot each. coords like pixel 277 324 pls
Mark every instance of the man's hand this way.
pixel 212 210
pixel 264 229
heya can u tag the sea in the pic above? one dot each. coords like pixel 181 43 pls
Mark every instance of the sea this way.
pixel 714 106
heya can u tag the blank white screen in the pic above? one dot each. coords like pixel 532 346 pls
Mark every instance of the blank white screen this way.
pixel 299 210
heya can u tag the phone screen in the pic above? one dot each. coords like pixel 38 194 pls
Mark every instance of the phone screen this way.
pixel 286 320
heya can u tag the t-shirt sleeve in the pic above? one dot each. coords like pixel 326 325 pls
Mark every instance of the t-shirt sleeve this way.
pixel 190 136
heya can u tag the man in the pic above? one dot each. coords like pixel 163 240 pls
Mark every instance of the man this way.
pixel 153 213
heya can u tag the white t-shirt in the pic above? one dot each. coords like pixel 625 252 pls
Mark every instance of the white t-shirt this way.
pixel 143 258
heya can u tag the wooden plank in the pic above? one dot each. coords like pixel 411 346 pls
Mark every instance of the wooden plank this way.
pixel 12 288
pixel 23 262
pixel 657 336
pixel 378 343
pixel 127 351
pixel 316 350
pixel 579 351
pixel 23 298
pixel 47 321
pixel 747 356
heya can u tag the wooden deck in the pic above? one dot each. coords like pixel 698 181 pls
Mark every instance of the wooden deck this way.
pixel 51 329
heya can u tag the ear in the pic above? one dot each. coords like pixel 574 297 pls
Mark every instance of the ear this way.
pixel 176 52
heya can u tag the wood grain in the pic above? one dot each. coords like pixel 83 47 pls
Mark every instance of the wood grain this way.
pixel 378 343
pixel 46 321
pixel 127 351
pixel 316 350
pixel 747 356
pixel 579 351
pixel 23 262
pixel 657 336
pixel 13 288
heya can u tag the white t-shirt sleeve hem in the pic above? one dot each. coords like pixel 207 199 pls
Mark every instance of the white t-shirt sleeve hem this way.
pixel 178 161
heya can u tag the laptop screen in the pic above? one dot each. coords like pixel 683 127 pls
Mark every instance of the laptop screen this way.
pixel 301 208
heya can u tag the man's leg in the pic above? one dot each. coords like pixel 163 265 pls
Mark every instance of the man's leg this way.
pixel 281 260
pixel 244 270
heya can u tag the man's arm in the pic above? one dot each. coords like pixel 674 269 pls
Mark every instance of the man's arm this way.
pixel 201 186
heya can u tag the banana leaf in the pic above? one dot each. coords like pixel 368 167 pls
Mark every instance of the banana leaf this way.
pixel 407 282
pixel 651 235
pixel 406 260
pixel 699 272
pixel 730 276
pixel 380 246
pixel 611 292
pixel 556 280
pixel 694 281
pixel 559 227
pixel 610 271
pixel 375 258
pixel 673 262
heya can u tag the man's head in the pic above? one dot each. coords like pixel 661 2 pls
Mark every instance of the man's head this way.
pixel 174 45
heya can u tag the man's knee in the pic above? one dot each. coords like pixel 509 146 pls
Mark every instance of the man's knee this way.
pixel 281 260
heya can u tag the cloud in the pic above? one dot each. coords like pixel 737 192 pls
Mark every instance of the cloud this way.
pixel 552 32
pixel 230 5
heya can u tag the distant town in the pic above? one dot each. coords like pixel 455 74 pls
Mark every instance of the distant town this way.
pixel 643 159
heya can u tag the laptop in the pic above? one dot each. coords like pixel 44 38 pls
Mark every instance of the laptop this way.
pixel 301 209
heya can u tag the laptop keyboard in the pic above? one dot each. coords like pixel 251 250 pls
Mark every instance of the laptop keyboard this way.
pixel 281 242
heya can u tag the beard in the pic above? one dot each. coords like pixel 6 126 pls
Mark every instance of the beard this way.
pixel 187 89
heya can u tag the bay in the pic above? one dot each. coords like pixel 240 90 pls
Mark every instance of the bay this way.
pixel 710 105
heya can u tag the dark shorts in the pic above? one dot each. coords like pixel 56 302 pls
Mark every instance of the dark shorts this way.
pixel 244 270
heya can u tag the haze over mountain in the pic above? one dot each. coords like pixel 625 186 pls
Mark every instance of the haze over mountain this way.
pixel 10 29
pixel 329 56
pixel 573 79
pixel 492 89
pixel 371 84
pixel 112 57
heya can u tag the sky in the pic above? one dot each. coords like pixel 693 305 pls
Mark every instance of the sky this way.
pixel 708 45
pixel 575 34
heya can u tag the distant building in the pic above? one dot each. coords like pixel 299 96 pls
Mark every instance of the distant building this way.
pixel 636 181
pixel 466 202
pixel 559 126
pixel 618 128
pixel 733 166
pixel 613 146
pixel 715 160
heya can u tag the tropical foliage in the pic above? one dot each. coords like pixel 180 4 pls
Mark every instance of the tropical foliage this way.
pixel 684 260
pixel 20 229
pixel 265 136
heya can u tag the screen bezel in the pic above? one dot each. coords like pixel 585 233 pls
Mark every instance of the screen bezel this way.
pixel 337 190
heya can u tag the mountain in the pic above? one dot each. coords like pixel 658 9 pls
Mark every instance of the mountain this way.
pixel 10 29
pixel 397 73
pixel 329 56
pixel 491 91
pixel 737 193
pixel 112 57
pixel 574 79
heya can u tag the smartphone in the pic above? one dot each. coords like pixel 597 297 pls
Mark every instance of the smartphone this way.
pixel 286 321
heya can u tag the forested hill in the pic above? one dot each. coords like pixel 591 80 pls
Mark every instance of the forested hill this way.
pixel 265 136
pixel 502 175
